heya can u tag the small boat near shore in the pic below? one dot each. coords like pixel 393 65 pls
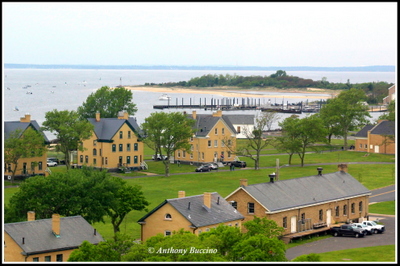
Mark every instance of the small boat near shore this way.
pixel 164 97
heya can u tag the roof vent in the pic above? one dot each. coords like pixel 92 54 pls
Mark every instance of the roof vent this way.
pixel 319 169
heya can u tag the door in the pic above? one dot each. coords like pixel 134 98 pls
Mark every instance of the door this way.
pixel 293 223
pixel 376 149
pixel 328 217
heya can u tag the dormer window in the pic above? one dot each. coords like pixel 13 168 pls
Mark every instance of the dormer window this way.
pixel 168 216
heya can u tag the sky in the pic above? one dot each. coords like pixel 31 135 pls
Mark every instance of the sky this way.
pixel 324 34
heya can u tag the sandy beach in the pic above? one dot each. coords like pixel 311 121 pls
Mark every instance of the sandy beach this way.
pixel 237 92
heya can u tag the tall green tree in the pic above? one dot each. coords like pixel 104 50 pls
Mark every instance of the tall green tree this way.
pixel 108 102
pixel 69 130
pixel 288 141
pixel 126 199
pixel 391 112
pixel 346 112
pixel 167 133
pixel 27 144
pixel 264 226
pixel 93 194
pixel 304 132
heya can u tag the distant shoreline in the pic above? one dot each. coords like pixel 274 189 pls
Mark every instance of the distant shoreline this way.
pixel 375 68
pixel 240 92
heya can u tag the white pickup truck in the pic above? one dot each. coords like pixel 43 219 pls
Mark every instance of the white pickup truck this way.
pixel 367 228
pixel 376 228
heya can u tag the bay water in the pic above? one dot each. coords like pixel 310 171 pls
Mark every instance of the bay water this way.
pixel 37 91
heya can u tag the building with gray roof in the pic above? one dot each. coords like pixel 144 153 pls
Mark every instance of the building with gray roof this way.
pixel 47 239
pixel 196 214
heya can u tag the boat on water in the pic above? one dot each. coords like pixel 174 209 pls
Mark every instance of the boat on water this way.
pixel 164 97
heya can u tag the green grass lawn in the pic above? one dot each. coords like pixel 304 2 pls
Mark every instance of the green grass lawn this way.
pixel 387 207
pixel 158 188
pixel 366 254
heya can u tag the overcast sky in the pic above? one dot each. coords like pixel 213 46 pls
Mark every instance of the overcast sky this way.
pixel 197 34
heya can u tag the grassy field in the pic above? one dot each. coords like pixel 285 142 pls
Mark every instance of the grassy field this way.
pixel 366 254
pixel 387 207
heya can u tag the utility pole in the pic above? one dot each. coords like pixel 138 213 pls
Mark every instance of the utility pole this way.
pixel 277 170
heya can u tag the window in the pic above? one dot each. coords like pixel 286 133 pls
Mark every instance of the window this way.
pixel 129 134
pixel 191 138
pixel 35 259
pixel 86 159
pixel 40 166
pixel 94 161
pixel 128 147
pixel 135 147
pixel 24 168
pixel 128 159
pixel 106 160
pixel 168 216
pixel 284 222
pixel 303 218
pixel 321 215
pixel 229 154
pixel 59 257
pixel 366 146
pixel 94 152
pixel 179 154
pixel 337 211
pixel 222 143
pixel 120 160
pixel 47 258
pixel 360 206
pixel 81 159
pixel 250 208
pixel 238 129
pixel 121 147
pixel 32 166
pixel 215 143
pixel 202 155
pixel 183 154
pixel 135 159
pixel 360 145
pixel 167 233
pixel 223 131
pixel 121 135
pixel 94 142
pixel 234 205
pixel 345 209
pixel 209 143
pixel 191 147
pixel 353 208
pixel 216 131
pixel 114 148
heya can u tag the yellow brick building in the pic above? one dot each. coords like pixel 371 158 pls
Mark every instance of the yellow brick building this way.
pixel 376 139
pixel 115 143
pixel 196 214
pixel 214 140
pixel 303 203
pixel 26 166
pixel 46 240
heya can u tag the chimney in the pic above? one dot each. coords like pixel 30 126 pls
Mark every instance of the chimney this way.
pixel 194 115
pixel 217 113
pixel 31 216
pixel 271 177
pixel 123 115
pixel 97 117
pixel 26 118
pixel 243 182
pixel 207 199
pixel 342 167
pixel 181 194
pixel 55 222
pixel 319 169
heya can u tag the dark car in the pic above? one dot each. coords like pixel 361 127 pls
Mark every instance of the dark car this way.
pixel 213 166
pixel 240 164
pixel 203 168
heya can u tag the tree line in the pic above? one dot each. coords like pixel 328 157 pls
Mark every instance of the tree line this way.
pixel 375 91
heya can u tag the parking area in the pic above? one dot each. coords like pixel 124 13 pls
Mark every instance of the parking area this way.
pixel 340 243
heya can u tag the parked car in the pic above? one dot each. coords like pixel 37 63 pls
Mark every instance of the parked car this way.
pixel 365 227
pixel 376 228
pixel 51 163
pixel 203 168
pixel 241 164
pixel 348 230
pixel 58 161
pixel 158 157
pixel 213 166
